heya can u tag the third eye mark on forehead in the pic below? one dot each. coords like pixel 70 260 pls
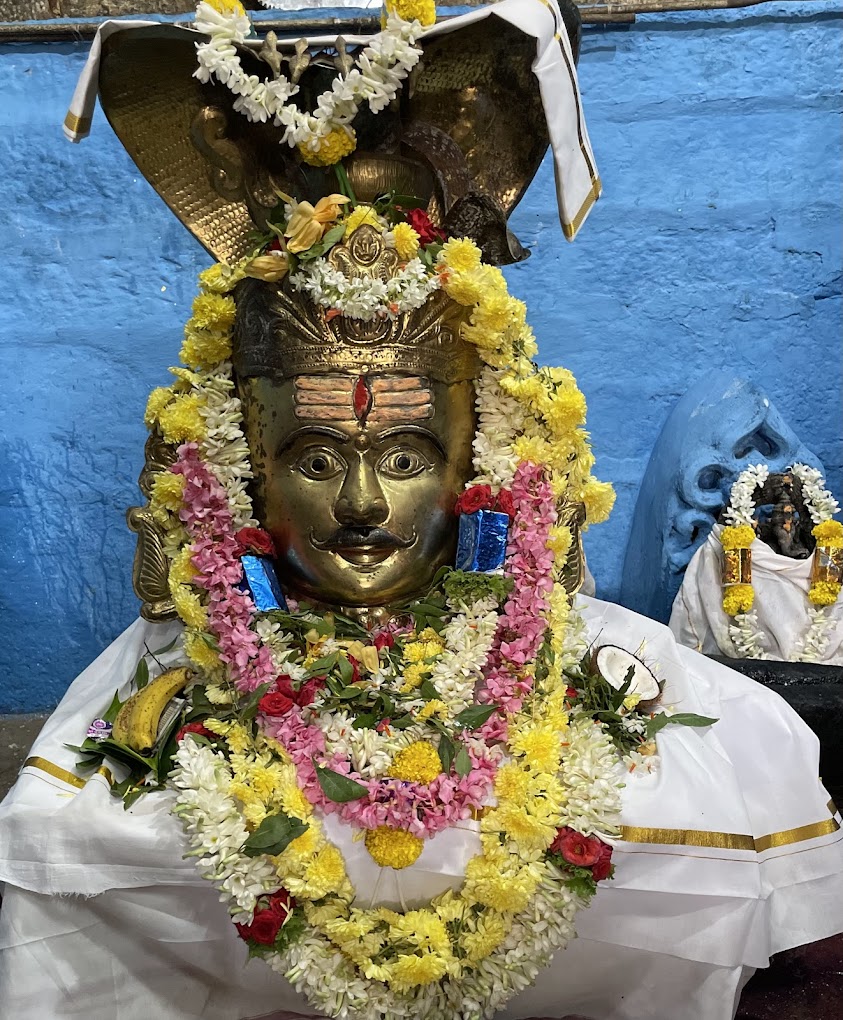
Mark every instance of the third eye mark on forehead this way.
pixel 365 399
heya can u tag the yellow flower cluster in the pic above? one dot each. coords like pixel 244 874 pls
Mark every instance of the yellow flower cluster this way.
pixel 181 421
pixel 738 598
pixel 188 605
pixel 200 653
pixel 227 7
pixel 418 763
pixel 359 217
pixel 406 241
pixel 824 593
pixel 737 536
pixel 423 11
pixel 207 334
pixel 829 533
pixel 418 659
pixel 166 495
pixel 393 848
pixel 330 149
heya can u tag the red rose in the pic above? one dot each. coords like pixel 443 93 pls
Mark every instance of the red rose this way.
pixel 308 690
pixel 505 503
pixel 282 904
pixel 571 692
pixel 478 497
pixel 603 865
pixel 255 542
pixel 383 640
pixel 275 703
pixel 420 222
pixel 264 927
pixel 576 848
pixel 194 727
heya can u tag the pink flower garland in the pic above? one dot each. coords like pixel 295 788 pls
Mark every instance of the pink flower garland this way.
pixel 529 563
pixel 421 809
pixel 209 523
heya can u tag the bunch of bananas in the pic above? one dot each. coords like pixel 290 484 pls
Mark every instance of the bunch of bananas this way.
pixel 137 722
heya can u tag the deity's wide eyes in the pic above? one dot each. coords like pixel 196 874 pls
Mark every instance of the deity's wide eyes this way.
pixel 402 463
pixel 319 463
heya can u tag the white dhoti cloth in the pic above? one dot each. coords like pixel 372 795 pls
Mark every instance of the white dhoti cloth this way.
pixel 729 853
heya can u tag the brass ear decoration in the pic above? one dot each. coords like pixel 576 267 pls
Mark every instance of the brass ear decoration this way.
pixel 150 569
pixel 572 516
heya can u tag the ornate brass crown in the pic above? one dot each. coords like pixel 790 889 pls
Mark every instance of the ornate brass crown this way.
pixel 282 333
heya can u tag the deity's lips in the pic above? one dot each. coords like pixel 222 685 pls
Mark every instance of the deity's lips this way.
pixel 363 545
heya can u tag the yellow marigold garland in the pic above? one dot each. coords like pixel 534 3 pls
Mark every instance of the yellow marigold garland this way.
pixel 393 848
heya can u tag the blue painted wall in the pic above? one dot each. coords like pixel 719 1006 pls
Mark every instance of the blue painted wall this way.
pixel 717 244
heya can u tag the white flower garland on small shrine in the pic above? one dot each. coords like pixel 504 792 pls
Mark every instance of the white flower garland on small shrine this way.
pixel 748 638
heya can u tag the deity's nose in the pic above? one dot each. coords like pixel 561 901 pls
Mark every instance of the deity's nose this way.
pixel 360 501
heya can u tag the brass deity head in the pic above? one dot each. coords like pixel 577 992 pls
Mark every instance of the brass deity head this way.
pixel 360 434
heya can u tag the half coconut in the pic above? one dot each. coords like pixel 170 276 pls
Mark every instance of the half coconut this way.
pixel 616 665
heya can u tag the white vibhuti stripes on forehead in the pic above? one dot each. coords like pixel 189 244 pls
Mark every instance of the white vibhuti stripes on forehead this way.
pixel 366 399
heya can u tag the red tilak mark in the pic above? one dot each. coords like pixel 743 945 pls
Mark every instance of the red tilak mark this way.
pixel 362 399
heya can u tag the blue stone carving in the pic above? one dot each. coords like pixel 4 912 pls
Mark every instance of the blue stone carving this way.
pixel 719 427
pixel 261 582
pixel 481 546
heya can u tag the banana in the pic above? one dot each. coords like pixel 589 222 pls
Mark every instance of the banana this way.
pixel 136 724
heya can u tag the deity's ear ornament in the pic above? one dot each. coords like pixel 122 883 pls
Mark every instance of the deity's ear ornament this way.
pixel 453 135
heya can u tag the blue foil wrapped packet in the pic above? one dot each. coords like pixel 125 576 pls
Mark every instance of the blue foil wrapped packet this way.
pixel 261 582
pixel 481 546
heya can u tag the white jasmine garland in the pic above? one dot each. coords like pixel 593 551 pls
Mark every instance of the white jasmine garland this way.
pixel 378 73
pixel 816 637
pixel 500 421
pixel 748 639
pixel 742 496
pixel 224 447
pixel 364 297
pixel 820 503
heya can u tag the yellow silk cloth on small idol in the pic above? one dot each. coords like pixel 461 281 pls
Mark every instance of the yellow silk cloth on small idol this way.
pixel 577 181
pixel 781 604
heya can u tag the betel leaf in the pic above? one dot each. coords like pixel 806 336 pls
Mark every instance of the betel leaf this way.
pixel 166 648
pixel 274 834
pixel 473 716
pixel 339 789
pixel 323 665
pixel 446 754
pixel 365 721
pixel 428 691
pixel 462 762
pixel 110 714
pixel 249 708
pixel 346 670
pixel 658 722
pixel 141 677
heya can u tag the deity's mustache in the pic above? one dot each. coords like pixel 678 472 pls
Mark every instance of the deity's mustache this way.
pixel 355 537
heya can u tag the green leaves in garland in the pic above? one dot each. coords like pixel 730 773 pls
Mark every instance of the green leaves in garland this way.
pixel 274 835
pixel 658 722
pixel 339 789
pixel 473 716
